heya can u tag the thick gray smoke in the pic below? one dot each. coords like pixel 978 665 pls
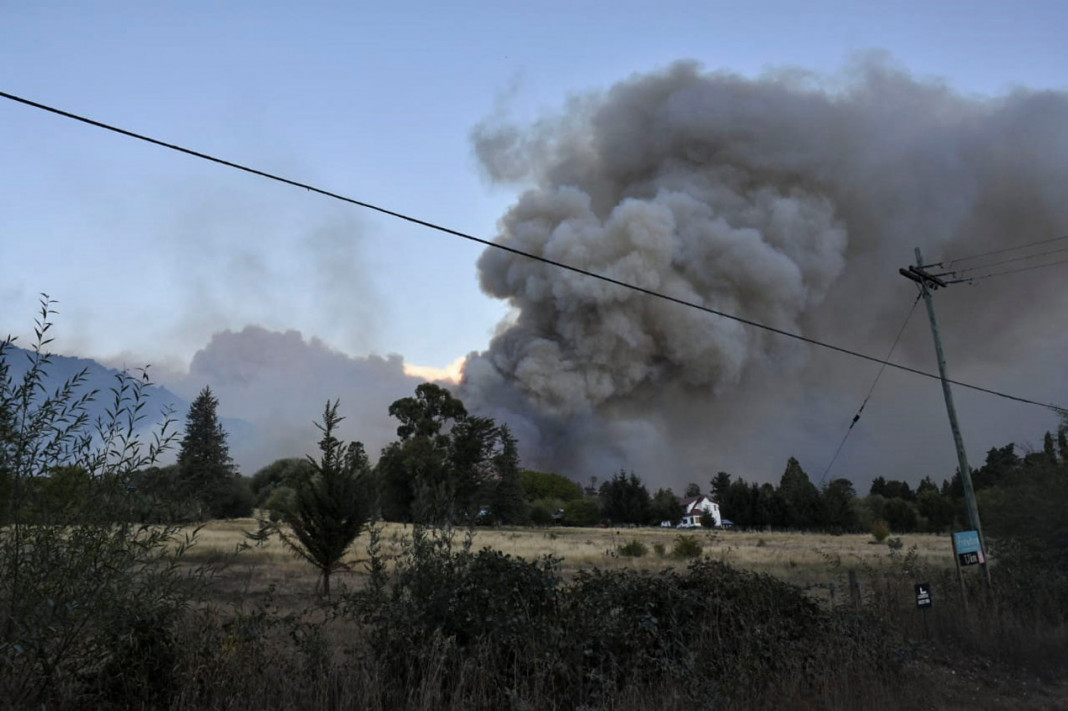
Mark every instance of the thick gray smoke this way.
pixel 279 382
pixel 789 200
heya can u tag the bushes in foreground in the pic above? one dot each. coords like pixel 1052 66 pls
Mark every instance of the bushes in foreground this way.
pixel 455 628
pixel 90 595
pixel 452 628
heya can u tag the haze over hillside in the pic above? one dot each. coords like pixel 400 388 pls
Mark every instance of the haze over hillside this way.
pixel 159 402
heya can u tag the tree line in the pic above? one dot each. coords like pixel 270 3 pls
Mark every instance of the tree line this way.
pixel 447 465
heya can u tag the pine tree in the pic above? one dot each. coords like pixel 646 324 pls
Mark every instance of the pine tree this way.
pixel 1048 451
pixel 801 497
pixel 206 471
pixel 721 483
pixel 333 502
pixel 838 498
pixel 624 499
pixel 509 504
pixel 1062 442
pixel 665 506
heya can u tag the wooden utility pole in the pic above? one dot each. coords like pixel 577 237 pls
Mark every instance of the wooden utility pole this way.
pixel 929 282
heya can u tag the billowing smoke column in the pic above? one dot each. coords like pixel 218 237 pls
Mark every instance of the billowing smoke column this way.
pixel 783 200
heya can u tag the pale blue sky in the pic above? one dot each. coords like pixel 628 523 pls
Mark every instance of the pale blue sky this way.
pixel 150 252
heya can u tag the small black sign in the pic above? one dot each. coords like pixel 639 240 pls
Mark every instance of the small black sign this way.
pixel 968 558
pixel 923 595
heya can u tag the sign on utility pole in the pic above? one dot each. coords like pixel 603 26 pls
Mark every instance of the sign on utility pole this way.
pixel 929 282
pixel 968 549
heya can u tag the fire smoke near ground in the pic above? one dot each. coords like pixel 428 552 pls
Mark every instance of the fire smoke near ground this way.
pixel 789 200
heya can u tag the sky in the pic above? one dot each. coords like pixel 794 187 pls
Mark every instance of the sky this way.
pixel 156 257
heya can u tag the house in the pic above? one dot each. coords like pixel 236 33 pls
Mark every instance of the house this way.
pixel 695 507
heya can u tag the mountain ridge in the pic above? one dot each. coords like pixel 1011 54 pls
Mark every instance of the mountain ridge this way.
pixel 159 401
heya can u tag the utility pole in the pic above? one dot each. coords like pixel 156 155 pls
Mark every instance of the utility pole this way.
pixel 929 282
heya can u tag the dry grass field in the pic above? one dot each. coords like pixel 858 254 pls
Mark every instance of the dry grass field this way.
pixel 816 562
pixel 272 642
pixel 954 673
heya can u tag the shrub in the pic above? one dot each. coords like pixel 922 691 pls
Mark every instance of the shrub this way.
pixel 900 515
pixel 279 473
pixel 582 512
pixel 160 496
pixel 233 498
pixel 89 596
pixel 496 630
pixel 280 501
pixel 549 485
pixel 686 547
pixel 542 510
pixel 459 605
pixel 626 626
pixel 895 544
pixel 633 549
pixel 452 629
pixel 659 549
pixel 880 530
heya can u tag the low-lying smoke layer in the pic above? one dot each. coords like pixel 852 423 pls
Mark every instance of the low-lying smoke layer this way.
pixel 280 382
pixel 790 200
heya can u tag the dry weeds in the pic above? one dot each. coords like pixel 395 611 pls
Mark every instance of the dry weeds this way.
pixel 814 561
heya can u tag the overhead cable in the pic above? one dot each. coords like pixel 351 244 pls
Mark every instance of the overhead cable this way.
pixel 513 250
pixel 875 382
pixel 1010 260
pixel 947 262
pixel 1013 271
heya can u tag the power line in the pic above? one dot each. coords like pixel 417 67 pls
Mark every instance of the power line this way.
pixel 510 250
pixel 1010 260
pixel 875 382
pixel 946 262
pixel 1014 271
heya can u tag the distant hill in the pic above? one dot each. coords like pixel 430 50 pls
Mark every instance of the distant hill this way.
pixel 157 399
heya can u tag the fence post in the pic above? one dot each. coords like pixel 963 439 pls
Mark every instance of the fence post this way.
pixel 854 590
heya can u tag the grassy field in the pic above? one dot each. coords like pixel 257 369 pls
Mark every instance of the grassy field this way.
pixel 490 632
pixel 979 662
pixel 816 562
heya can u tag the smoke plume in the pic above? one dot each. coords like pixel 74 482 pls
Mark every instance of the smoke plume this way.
pixel 791 200
pixel 279 383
